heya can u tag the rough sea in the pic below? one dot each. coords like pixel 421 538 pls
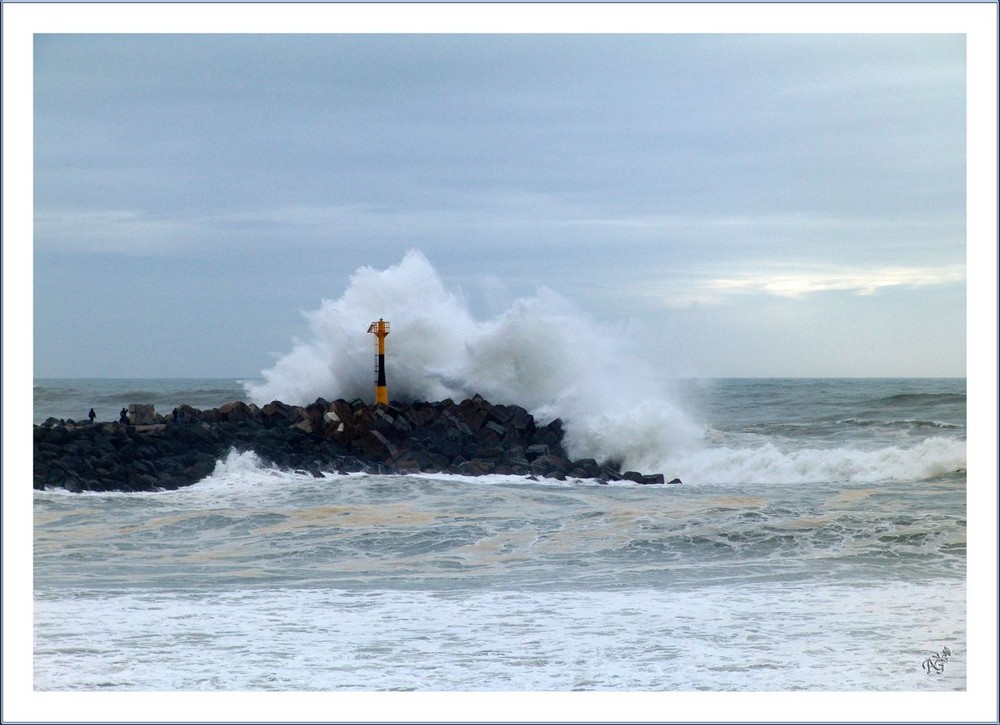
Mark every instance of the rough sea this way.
pixel 817 546
pixel 818 543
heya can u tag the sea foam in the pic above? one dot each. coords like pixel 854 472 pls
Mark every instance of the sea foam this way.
pixel 545 354
pixel 542 353
pixel 769 463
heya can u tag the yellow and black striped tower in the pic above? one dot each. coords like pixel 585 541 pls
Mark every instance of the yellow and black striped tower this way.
pixel 380 329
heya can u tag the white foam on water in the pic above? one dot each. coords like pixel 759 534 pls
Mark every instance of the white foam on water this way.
pixel 243 479
pixel 543 354
pixel 750 637
pixel 546 355
pixel 768 463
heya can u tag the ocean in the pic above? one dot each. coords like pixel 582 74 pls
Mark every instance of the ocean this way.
pixel 817 543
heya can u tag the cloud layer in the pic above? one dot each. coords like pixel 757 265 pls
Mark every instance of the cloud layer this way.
pixel 245 177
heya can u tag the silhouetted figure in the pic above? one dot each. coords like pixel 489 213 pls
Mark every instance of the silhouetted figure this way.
pixel 92 415
pixel 123 416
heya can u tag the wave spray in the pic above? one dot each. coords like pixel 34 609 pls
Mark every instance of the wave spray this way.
pixel 542 353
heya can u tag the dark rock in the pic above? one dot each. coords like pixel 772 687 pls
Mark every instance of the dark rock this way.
pixel 236 412
pixel 549 466
pixel 521 421
pixel 437 462
pixel 500 414
pixel 277 412
pixel 187 414
pixel 473 437
pixel 609 473
pixel 550 435
pixel 512 469
pixel 407 465
pixel 473 414
pixel 588 466
pixel 451 446
pixel 516 462
pixel 458 424
pixel 477 467
pixel 380 448
pixel 539 449
pixel 490 453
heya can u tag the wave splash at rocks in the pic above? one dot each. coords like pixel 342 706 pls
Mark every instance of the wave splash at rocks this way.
pixel 473 437
pixel 542 353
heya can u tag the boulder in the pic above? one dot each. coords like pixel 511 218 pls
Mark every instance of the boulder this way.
pixel 548 465
pixel 609 473
pixel 460 425
pixel 235 412
pixel 278 412
pixel 550 435
pixel 477 467
pixel 534 451
pixel 379 448
pixel 472 437
pixel 500 414
pixel 588 468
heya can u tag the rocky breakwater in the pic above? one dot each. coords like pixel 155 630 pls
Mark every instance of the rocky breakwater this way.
pixel 473 437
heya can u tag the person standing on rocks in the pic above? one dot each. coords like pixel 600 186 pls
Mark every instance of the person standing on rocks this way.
pixel 123 416
pixel 92 415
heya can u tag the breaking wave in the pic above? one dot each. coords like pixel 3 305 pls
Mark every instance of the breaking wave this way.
pixel 542 353
pixel 769 463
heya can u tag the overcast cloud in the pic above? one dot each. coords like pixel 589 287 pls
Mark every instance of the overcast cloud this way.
pixel 758 204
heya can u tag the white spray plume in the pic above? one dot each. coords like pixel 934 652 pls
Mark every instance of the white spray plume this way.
pixel 542 354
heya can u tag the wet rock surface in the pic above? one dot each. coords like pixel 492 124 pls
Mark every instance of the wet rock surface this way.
pixel 473 437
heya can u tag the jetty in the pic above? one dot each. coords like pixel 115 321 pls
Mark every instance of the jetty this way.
pixel 152 452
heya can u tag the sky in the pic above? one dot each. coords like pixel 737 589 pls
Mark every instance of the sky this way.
pixel 749 204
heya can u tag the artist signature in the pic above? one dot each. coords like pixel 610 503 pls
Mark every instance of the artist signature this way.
pixel 935 663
